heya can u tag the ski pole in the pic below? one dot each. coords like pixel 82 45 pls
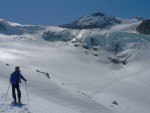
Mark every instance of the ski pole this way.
pixel 27 93
pixel 6 94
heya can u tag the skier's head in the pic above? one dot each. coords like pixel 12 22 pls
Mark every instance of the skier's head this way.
pixel 17 68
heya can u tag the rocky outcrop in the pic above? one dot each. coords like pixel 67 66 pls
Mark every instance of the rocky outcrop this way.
pixel 2 26
pixel 144 27
pixel 96 20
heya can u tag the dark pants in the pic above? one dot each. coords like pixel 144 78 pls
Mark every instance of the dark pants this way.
pixel 18 92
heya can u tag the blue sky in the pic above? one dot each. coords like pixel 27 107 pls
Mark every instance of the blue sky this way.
pixel 56 12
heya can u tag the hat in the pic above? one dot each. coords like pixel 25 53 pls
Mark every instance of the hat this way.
pixel 17 68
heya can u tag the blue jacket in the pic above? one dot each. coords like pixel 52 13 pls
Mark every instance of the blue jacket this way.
pixel 16 77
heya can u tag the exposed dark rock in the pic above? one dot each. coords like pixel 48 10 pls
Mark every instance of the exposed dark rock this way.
pixel 7 64
pixel 63 35
pixel 115 102
pixel 76 45
pixel 96 20
pixel 47 74
pixel 85 46
pixel 2 26
pixel 139 18
pixel 117 60
pixel 144 27
pixel 98 14
pixel 95 54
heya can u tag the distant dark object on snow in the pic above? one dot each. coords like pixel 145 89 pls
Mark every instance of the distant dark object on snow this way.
pixel 95 54
pixel 144 27
pixel 7 64
pixel 115 102
pixel 117 60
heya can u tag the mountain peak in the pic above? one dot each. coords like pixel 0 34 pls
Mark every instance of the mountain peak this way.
pixel 140 18
pixel 95 20
pixel 144 27
pixel 98 14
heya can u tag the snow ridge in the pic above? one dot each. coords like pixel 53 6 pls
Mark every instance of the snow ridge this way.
pixel 10 28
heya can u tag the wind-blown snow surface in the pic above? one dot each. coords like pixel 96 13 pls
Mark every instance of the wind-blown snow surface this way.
pixel 46 95
pixel 79 81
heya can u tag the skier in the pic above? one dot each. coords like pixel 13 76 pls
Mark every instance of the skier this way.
pixel 15 79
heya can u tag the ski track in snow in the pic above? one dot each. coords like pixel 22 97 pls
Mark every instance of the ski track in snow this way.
pixel 9 108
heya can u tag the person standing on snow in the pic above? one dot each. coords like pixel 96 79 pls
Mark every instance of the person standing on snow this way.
pixel 15 79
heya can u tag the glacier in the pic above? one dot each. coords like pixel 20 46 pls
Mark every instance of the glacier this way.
pixel 85 68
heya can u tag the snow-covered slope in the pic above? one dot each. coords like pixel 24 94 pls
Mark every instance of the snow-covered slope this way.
pixel 10 28
pixel 77 71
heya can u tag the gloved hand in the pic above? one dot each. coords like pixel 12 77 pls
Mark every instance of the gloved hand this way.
pixel 25 80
